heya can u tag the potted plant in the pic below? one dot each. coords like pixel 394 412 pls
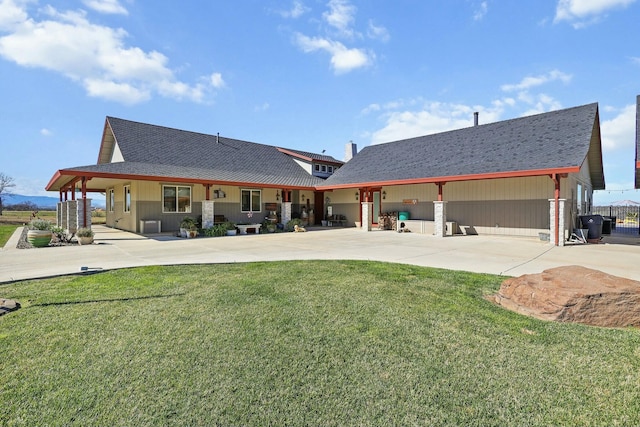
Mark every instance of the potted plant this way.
pixel 39 233
pixel 193 232
pixel 186 225
pixel 85 236
pixel 231 228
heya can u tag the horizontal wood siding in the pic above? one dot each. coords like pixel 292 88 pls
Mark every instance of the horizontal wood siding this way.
pixel 515 217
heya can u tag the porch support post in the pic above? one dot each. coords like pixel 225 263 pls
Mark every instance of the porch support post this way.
pixel 285 214
pixel 72 216
pixel 556 221
pixel 440 218
pixel 367 214
pixel 84 203
pixel 207 212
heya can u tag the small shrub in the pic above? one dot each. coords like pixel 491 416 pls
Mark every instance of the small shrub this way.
pixel 39 224
pixel 291 224
pixel 84 232
pixel 215 231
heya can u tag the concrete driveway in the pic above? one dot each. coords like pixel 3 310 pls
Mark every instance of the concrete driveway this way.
pixel 509 256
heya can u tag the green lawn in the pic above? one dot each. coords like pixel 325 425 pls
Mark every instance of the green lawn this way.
pixel 6 231
pixel 326 343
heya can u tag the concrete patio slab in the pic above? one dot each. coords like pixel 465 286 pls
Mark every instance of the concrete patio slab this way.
pixel 508 256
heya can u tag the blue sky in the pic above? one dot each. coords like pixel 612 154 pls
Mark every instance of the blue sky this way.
pixel 308 74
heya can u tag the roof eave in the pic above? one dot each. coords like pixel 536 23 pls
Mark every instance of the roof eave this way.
pixel 454 178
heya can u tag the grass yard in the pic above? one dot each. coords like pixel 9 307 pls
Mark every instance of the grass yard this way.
pixel 327 343
pixel 6 231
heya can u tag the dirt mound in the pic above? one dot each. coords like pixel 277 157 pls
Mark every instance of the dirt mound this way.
pixel 574 294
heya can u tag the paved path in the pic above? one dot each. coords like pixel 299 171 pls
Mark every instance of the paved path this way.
pixel 509 256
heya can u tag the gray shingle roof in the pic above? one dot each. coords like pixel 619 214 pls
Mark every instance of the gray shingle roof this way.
pixel 555 140
pixel 166 152
pixel 315 156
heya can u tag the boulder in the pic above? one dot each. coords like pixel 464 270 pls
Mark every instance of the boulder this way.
pixel 574 294
pixel 7 305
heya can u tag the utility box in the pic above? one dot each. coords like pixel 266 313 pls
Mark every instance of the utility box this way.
pixel 148 226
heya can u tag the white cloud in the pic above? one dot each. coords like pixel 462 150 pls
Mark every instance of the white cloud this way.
pixel 94 55
pixel 533 81
pixel 481 11
pixel 340 20
pixel 584 12
pixel 416 117
pixel 343 59
pixel 106 6
pixel 297 10
pixel 259 108
pixel 431 117
pixel 377 32
pixel 45 132
pixel 341 16
pixel 216 80
pixel 619 132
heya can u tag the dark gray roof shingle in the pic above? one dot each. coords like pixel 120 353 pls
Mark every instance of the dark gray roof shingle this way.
pixel 160 151
pixel 554 140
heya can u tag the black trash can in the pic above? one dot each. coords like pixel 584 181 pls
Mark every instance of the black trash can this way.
pixel 606 225
pixel 594 224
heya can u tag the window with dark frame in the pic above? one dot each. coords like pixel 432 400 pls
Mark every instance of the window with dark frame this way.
pixel 176 199
pixel 127 198
pixel 251 200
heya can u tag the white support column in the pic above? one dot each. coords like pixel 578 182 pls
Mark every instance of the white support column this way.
pixel 207 213
pixel 286 212
pixel 561 222
pixel 440 218
pixel 367 215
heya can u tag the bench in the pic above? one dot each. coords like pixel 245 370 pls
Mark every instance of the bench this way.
pixel 337 221
pixel 244 227
pixel 219 219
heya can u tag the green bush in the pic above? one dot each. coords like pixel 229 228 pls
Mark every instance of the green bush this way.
pixel 291 224
pixel 39 224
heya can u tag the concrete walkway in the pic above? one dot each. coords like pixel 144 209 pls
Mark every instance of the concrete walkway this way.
pixel 509 256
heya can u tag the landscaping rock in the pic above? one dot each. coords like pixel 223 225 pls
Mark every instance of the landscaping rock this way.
pixel 8 305
pixel 574 294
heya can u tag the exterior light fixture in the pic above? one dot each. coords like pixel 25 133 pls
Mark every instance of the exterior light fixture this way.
pixel 384 195
pixel 303 198
pixel 357 195
pixel 277 195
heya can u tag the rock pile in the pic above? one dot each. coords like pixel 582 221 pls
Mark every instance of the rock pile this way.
pixel 574 294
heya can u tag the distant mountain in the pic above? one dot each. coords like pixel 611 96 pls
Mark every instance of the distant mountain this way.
pixel 42 202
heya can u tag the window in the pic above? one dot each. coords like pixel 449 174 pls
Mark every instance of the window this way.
pixel 251 200
pixel 127 198
pixel 324 168
pixel 111 200
pixel 176 199
pixel 317 168
pixel 330 169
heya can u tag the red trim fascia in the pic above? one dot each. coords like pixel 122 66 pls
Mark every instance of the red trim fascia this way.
pixel 638 164
pixel 474 177
pixel 79 175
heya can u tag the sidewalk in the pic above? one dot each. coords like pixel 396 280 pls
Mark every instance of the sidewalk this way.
pixel 509 256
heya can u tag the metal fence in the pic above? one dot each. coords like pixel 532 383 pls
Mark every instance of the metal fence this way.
pixel 625 219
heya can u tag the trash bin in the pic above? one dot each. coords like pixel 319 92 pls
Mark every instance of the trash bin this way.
pixel 613 221
pixel 403 216
pixel 594 224
pixel 606 225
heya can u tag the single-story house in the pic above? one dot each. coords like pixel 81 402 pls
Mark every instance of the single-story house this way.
pixel 522 176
